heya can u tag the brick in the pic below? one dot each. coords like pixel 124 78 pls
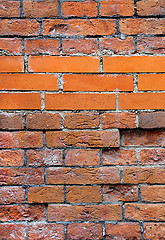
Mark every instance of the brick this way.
pixel 154 231
pixel 83 139
pixel 47 194
pixel 102 175
pixel 151 45
pixel 20 101
pixel 82 157
pixel 117 45
pixel 11 158
pixel 11 64
pixel 142 101
pixel 84 213
pixel 84 194
pixel 21 139
pixel 79 9
pixel 11 121
pixel 84 230
pixel 19 27
pixel 44 157
pixel 22 213
pixel 152 156
pixel 120 193
pixel 13 231
pixel 143 138
pixel 146 212
pixel 82 101
pixel 150 7
pixel 151 82
pixel 46 231
pixel 86 27
pixel 28 82
pixel 43 121
pixel 63 64
pixel 97 82
pixel 123 231
pixel 153 193
pixel 9 9
pixel 152 120
pixel 81 120
pixel 118 120
pixel 119 157
pixel 10 46
pixel 33 9
pixel 76 46
pixel 21 176
pixel 125 64
pixel 42 46
pixel 138 175
pixel 10 195
pixel 142 26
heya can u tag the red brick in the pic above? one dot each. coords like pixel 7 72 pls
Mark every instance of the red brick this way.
pixel 153 193
pixel 83 139
pixel 28 82
pixel 82 101
pixel 117 45
pixel 150 7
pixel 143 138
pixel 151 82
pixel 44 157
pixel 118 120
pixel 79 9
pixel 82 157
pixel 21 139
pixel 20 101
pixel 86 27
pixel 11 121
pixel 84 194
pixel 46 231
pixel 47 194
pixel 84 230
pixel 98 83
pixel 151 45
pixel 152 120
pixel 84 213
pixel 21 176
pixel 10 46
pixel 9 9
pixel 11 158
pixel 102 175
pixel 42 46
pixel 22 212
pixel 11 64
pixel 43 121
pixel 83 46
pixel 13 231
pixel 154 231
pixel 135 26
pixel 152 156
pixel 138 175
pixel 146 212
pixel 10 195
pixel 33 9
pixel 120 193
pixel 81 120
pixel 119 157
pixel 123 231
pixel 19 27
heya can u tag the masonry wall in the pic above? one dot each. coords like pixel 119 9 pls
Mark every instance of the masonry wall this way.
pixel 82 99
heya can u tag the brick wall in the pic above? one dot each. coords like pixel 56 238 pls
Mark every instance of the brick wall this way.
pixel 82 99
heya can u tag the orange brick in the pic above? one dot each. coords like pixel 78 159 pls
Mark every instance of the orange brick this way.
pixel 154 231
pixel 153 193
pixel 11 64
pixel 10 229
pixel 11 195
pixel 11 121
pixel 133 64
pixel 20 101
pixel 97 82
pixel 11 158
pixel 150 7
pixel 151 45
pixel 142 101
pixel 64 64
pixel 9 9
pixel 151 82
pixel 75 101
pixel 152 156
pixel 11 45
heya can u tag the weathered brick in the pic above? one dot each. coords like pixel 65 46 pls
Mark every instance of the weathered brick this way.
pixel 150 7
pixel 10 46
pixel 11 121
pixel 13 231
pixel 151 82
pixel 9 8
pixel 11 158
pixel 11 64
pixel 154 231
pixel 153 193
pixel 152 156
pixel 10 195
pixel 152 120
pixel 154 45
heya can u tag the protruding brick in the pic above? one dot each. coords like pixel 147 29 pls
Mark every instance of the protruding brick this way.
pixel 154 231
pixel 11 158
pixel 151 82
pixel 10 195
pixel 153 193
pixel 152 156
pixel 11 64
pixel 152 120
pixel 11 121
pixel 10 46
pixel 151 45
pixel 9 8
pixel 13 231
pixel 150 7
